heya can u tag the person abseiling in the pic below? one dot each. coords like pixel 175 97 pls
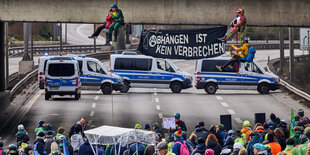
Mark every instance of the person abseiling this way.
pixel 118 20
pixel 244 49
pixel 237 25
pixel 105 25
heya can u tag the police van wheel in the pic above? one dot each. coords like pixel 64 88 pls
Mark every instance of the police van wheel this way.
pixel 176 87
pixel 106 89
pixel 79 95
pixel 263 88
pixel 125 88
pixel 211 88
pixel 47 96
pixel 76 96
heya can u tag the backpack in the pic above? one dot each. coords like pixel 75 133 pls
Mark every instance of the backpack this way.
pixel 183 149
pixel 1 152
pixel 251 54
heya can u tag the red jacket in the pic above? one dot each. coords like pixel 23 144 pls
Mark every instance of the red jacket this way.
pixel 109 21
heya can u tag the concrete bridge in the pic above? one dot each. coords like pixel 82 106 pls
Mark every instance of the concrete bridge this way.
pixel 189 12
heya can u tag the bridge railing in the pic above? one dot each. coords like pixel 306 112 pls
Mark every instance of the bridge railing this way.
pixel 39 50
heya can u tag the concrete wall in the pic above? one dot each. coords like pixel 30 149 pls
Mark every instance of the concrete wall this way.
pixel 202 12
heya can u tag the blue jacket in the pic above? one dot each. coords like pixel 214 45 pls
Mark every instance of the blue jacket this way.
pixel 3 152
pixel 176 147
pixel 122 150
pixel 133 148
pixel 85 149
pixel 223 134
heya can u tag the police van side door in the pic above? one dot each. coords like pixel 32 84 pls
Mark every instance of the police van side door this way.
pixel 252 75
pixel 94 73
pixel 164 73
pixel 142 72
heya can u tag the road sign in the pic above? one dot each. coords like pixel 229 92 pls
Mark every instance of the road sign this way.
pixel 304 38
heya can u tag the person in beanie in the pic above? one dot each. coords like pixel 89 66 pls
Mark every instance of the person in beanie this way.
pixel 49 139
pixel 12 150
pixel 118 21
pixel 220 129
pixel 76 140
pixel 237 147
pixel 297 133
pixel 28 150
pixel 40 127
pixel 246 129
pixel 180 125
pixel 301 117
pixel 259 149
pixel 162 149
pixel 257 137
pixel 60 132
pixel 178 140
pixel 209 152
pixel 147 127
pixel 200 148
pixel 2 152
pixel 290 149
pixel 274 119
pixel 39 144
pixel 22 137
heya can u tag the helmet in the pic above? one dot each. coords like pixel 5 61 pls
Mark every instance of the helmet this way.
pixel 259 146
pixel 177 115
pixel 20 127
pixel 246 123
pixel 138 126
pixel 301 112
pixel 260 129
pixel 245 41
pixel 240 11
pixel 12 147
pixel 113 6
pixel 283 121
pixel 231 132
pixel 48 126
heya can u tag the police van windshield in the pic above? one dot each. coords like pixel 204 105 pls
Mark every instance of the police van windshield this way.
pixel 164 65
pixel 58 70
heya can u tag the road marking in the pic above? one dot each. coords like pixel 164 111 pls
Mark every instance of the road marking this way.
pixel 156 100
pixel 219 97
pixel 160 115
pixel 92 113
pixel 158 107
pixel 238 120
pixel 230 111
pixel 98 91
pixel 155 93
pixel 89 123
pixel 224 104
pixel 97 97
pixel 93 105
pixel 54 114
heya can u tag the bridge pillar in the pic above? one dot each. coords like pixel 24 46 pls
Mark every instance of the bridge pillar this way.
pixel 120 44
pixel 26 64
pixel 291 64
pixel 281 49
pixel 4 95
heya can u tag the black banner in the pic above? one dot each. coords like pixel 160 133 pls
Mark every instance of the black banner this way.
pixel 183 44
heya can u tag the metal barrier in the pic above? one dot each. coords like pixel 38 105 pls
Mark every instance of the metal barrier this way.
pixel 39 50
pixel 288 85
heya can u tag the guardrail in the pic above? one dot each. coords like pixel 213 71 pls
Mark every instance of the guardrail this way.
pixel 21 83
pixel 288 85
pixel 40 50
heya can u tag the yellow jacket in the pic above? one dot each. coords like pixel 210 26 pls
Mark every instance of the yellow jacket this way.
pixel 244 50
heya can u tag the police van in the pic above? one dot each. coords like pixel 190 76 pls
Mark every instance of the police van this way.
pixel 248 75
pixel 62 77
pixel 94 73
pixel 140 71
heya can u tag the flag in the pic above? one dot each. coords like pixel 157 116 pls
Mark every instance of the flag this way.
pixel 66 151
pixel 292 125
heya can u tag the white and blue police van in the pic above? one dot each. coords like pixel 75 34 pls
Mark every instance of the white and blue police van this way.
pixel 62 77
pixel 94 73
pixel 248 75
pixel 140 71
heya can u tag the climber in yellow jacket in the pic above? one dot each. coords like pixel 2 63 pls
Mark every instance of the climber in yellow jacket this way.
pixel 244 49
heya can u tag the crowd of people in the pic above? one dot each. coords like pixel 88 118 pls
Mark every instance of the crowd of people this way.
pixel 272 137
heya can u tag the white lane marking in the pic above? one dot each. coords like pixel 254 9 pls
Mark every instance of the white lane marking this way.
pixel 54 114
pixel 155 93
pixel 158 107
pixel 92 113
pixel 238 120
pixel 219 97
pixel 230 111
pixel 98 91
pixel 224 104
pixel 97 97
pixel 93 105
pixel 156 100
pixel 160 115
pixel 89 123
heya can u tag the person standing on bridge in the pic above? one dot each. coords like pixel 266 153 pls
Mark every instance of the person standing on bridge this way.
pixel 105 25
pixel 236 56
pixel 237 25
pixel 118 20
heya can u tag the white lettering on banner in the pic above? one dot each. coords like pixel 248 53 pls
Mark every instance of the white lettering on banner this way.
pixel 201 38
pixel 168 39
pixel 216 49
pixel 164 50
